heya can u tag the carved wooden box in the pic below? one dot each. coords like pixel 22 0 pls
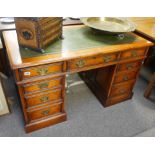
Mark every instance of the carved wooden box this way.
pixel 38 32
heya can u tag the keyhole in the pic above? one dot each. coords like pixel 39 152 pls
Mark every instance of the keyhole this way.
pixel 27 35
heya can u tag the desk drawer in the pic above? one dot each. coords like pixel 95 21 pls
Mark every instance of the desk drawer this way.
pixel 125 76
pixel 42 98
pixel 91 61
pixel 129 66
pixel 133 54
pixel 41 70
pixel 122 88
pixel 42 85
pixel 119 98
pixel 44 112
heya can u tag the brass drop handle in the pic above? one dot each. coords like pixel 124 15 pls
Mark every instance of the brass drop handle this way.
pixel 42 71
pixel 125 78
pixel 44 99
pixel 45 113
pixel 134 54
pixel 43 85
pixel 129 66
pixel 107 58
pixel 80 63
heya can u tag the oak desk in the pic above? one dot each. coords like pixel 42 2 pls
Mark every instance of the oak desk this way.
pixel 109 66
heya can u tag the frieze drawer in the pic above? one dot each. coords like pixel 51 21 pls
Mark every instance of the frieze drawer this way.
pixel 42 85
pixel 44 112
pixel 92 61
pixel 43 98
pixel 131 54
pixel 41 70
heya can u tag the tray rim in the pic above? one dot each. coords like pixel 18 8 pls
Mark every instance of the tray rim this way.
pixel 131 29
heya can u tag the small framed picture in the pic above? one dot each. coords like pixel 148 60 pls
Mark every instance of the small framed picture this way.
pixel 4 108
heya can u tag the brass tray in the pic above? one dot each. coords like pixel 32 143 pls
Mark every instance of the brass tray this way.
pixel 109 24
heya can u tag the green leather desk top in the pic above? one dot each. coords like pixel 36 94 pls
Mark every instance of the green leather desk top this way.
pixel 79 38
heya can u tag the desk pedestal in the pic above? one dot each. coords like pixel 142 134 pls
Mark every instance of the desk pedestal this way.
pixel 112 84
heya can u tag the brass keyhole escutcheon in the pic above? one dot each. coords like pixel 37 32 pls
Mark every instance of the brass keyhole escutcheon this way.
pixel 42 71
pixel 80 63
pixel 43 85
pixel 44 99
pixel 107 58
pixel 134 54
pixel 46 112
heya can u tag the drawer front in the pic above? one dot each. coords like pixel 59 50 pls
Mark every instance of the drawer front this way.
pixel 42 98
pixel 119 98
pixel 133 54
pixel 42 85
pixel 91 61
pixel 44 112
pixel 41 70
pixel 129 66
pixel 125 76
pixel 121 88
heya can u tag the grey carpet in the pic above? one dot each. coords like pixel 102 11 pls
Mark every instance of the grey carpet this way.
pixel 86 116
pixel 148 133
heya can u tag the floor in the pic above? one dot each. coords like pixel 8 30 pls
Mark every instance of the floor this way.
pixel 86 116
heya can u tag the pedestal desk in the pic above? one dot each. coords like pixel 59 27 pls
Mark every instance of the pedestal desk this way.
pixel 108 64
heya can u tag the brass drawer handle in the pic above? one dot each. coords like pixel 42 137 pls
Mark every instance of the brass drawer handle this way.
pixel 44 99
pixel 134 54
pixel 45 113
pixel 80 63
pixel 129 66
pixel 43 85
pixel 42 71
pixel 125 78
pixel 107 58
